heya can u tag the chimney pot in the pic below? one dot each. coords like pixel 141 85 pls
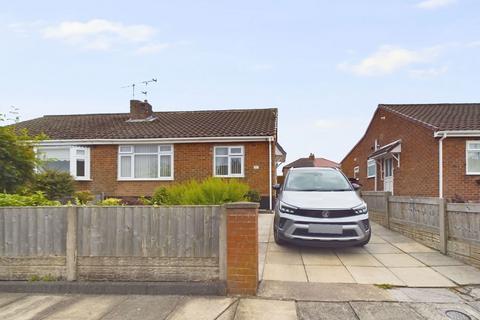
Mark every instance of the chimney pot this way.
pixel 311 156
pixel 140 110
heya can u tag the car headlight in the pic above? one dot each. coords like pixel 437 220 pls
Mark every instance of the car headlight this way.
pixel 361 209
pixel 286 208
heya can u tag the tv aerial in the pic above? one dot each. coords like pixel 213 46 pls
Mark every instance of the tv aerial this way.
pixel 145 83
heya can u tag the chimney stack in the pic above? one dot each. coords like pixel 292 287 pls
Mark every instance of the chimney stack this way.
pixel 311 156
pixel 140 110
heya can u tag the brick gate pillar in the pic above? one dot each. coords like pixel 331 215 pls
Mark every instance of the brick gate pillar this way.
pixel 242 248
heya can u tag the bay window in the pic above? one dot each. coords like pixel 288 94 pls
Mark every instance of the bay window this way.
pixel 473 157
pixel 229 161
pixel 71 159
pixel 145 162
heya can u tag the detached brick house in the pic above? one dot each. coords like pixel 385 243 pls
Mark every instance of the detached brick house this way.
pixel 420 150
pixel 131 154
pixel 311 161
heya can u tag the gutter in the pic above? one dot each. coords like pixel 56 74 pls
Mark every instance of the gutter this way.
pixel 153 140
pixel 457 133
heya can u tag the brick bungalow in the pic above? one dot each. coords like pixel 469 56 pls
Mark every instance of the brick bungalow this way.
pixel 420 150
pixel 310 161
pixel 131 154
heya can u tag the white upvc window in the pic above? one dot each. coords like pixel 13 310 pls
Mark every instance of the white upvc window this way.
pixel 356 172
pixel 473 157
pixel 145 162
pixel 229 161
pixel 72 159
pixel 371 168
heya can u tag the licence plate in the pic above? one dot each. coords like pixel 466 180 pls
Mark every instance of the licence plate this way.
pixel 325 228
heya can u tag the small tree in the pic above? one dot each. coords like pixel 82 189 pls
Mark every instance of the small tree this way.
pixel 55 185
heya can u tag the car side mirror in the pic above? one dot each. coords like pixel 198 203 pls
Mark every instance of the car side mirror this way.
pixel 276 186
pixel 356 186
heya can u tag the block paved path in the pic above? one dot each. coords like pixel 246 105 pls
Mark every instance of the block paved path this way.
pixel 390 258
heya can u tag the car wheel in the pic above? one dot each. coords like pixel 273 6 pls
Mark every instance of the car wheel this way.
pixel 277 239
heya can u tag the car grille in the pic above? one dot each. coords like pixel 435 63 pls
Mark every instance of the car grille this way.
pixel 304 232
pixel 324 213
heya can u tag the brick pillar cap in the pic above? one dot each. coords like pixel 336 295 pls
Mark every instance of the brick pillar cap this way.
pixel 242 205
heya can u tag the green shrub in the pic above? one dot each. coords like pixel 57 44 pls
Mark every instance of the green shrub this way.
pixel 145 201
pixel 208 192
pixel 55 185
pixel 83 197
pixel 16 200
pixel 253 196
pixel 110 202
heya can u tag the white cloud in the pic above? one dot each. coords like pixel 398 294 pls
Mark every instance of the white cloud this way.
pixel 152 48
pixel 434 4
pixel 98 34
pixel 389 59
pixel 473 44
pixel 428 72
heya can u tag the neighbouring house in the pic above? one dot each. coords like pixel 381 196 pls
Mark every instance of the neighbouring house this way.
pixel 130 154
pixel 420 150
pixel 311 161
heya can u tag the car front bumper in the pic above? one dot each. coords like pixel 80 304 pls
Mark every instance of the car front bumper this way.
pixel 346 230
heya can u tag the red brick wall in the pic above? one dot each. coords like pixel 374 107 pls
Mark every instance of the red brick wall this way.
pixel 242 248
pixel 456 181
pixel 418 172
pixel 191 161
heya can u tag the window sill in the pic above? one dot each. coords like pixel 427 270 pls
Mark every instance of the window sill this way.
pixel 472 174
pixel 145 179
pixel 370 177
pixel 86 180
pixel 229 176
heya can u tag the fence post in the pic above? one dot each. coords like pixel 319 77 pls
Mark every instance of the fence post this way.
pixel 442 225
pixel 242 248
pixel 387 208
pixel 71 245
pixel 222 244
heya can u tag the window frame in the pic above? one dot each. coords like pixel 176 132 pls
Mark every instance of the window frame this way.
pixel 369 162
pixel 229 156
pixel 132 154
pixel 73 157
pixel 467 150
pixel 356 172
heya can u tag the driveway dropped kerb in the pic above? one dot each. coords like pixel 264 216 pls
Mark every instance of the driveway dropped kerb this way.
pixel 389 259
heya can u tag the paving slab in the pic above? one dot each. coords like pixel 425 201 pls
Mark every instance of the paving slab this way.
pixel 320 258
pixel 377 239
pixel 272 246
pixel 436 259
pixel 475 305
pixel 421 277
pixel 412 247
pixel 435 311
pixel 143 307
pixel 285 272
pixel 427 295
pixel 262 254
pixel 284 257
pixel 398 260
pixel 374 275
pixel 395 238
pixel 29 307
pixel 463 275
pixel 328 274
pixel 348 250
pixel 384 310
pixel 360 260
pixel 229 313
pixel 325 311
pixel 259 309
pixel 327 292
pixel 87 308
pixel 6 298
pixel 381 248
pixel 205 308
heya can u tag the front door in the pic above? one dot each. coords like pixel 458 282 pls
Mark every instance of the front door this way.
pixel 388 175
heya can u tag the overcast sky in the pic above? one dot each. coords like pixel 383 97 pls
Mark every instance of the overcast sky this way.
pixel 325 64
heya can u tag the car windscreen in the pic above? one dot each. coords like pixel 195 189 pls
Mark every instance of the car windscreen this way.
pixel 321 180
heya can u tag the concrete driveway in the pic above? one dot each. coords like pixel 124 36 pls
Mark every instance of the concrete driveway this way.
pixel 389 259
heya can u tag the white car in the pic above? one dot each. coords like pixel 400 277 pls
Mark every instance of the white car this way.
pixel 320 207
